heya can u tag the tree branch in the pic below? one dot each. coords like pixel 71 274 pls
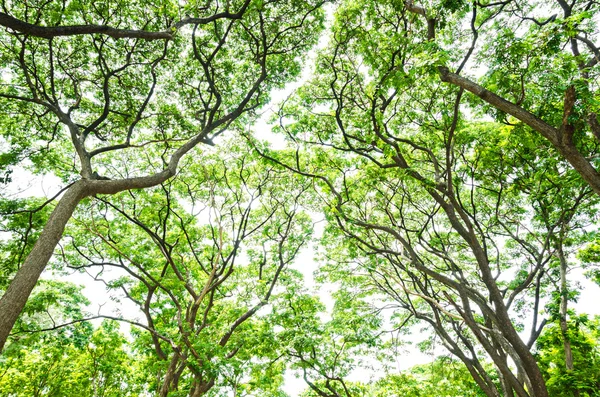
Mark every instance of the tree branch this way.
pixel 49 32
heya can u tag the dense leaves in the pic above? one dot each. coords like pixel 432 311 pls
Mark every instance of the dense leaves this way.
pixel 445 152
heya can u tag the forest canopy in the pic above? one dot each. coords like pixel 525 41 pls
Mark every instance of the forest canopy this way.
pixel 269 190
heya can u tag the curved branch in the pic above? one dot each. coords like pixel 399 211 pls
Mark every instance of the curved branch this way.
pixel 55 327
pixel 561 140
pixel 49 32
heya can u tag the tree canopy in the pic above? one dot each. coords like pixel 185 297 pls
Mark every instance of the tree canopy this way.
pixel 440 158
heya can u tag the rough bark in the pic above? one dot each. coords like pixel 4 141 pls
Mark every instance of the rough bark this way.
pixel 170 375
pixel 14 299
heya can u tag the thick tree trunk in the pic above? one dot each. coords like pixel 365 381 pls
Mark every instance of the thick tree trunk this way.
pixel 169 376
pixel 200 388
pixel 507 390
pixel 14 299
pixel 536 382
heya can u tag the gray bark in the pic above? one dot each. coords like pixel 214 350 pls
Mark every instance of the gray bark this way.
pixel 14 299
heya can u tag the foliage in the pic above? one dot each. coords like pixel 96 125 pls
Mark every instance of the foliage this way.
pixel 46 357
pixel 112 83
pixel 328 349
pixel 442 377
pixel 450 146
pixel 584 337
pixel 21 222
pixel 465 225
pixel 203 258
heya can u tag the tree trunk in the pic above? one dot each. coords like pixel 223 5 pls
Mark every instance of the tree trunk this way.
pixel 200 388
pixel 507 390
pixel 169 376
pixel 564 300
pixel 563 309
pixel 14 299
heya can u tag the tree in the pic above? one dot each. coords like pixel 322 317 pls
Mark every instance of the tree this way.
pixel 442 377
pixel 96 365
pixel 327 354
pixel 202 257
pixel 405 181
pixel 542 61
pixel 88 85
pixel 464 224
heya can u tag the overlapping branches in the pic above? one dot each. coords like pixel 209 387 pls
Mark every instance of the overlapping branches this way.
pixel 201 293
